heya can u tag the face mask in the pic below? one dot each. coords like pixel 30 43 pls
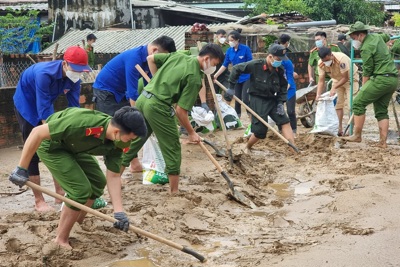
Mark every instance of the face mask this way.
pixel 120 144
pixel 232 44
pixel 222 40
pixel 319 43
pixel 207 68
pixel 356 44
pixel 288 45
pixel 328 63
pixel 73 76
pixel 276 63
pixel 93 45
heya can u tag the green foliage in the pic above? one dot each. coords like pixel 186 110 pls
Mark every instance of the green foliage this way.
pixel 343 11
pixel 276 6
pixel 396 19
pixel 18 29
pixel 269 39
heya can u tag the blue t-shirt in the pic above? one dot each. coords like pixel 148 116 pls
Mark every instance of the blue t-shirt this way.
pixel 289 71
pixel 242 54
pixel 39 86
pixel 120 77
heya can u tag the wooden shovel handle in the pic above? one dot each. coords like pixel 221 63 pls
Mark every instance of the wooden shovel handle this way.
pixel 111 219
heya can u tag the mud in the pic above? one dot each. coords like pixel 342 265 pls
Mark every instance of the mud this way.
pixel 330 205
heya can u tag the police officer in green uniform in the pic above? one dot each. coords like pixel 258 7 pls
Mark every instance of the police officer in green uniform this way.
pixel 267 91
pixel 320 41
pixel 378 83
pixel 221 40
pixel 176 80
pixel 66 145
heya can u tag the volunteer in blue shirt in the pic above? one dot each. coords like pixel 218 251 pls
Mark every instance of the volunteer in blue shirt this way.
pixel 237 53
pixel 116 85
pixel 287 64
pixel 37 89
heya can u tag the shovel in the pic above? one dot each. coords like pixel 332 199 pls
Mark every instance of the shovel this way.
pixel 238 196
pixel 260 119
pixel 218 152
pixel 111 219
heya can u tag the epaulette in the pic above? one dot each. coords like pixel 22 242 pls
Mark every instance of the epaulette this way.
pixel 321 65
pixel 95 131
pixel 334 45
pixel 312 50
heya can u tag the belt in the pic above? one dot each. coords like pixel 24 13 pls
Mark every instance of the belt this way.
pixel 147 94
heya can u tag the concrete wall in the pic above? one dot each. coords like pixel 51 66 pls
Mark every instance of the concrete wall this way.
pixel 93 14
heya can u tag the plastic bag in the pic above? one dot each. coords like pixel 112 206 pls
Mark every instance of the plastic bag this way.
pixel 326 119
pixel 201 120
pixel 153 163
pixel 229 115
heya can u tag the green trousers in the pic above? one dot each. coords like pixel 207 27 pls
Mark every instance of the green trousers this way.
pixel 377 90
pixel 161 120
pixel 79 175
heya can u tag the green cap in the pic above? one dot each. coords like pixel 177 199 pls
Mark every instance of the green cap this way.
pixel 357 27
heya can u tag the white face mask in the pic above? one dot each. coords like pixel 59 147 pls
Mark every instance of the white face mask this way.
pixel 222 40
pixel 328 63
pixel 232 44
pixel 73 76
pixel 93 45
pixel 207 68
pixel 356 44
pixel 288 44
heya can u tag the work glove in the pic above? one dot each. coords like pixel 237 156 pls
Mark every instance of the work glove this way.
pixel 19 176
pixel 230 92
pixel 279 109
pixel 205 106
pixel 123 221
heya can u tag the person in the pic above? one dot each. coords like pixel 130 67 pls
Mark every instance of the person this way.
pixel 90 43
pixel 67 143
pixel 268 92
pixel 343 45
pixel 395 51
pixel 378 83
pixel 337 66
pixel 37 89
pixel 116 85
pixel 176 80
pixel 221 40
pixel 237 53
pixel 287 64
pixel 320 41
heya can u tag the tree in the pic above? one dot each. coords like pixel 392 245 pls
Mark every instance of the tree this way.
pixel 275 6
pixel 343 11
pixel 19 30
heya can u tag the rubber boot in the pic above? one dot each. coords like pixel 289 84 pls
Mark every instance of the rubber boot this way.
pixel 358 126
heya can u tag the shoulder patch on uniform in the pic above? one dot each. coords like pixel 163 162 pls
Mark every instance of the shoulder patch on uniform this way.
pixel 312 50
pixel 334 45
pixel 342 65
pixel 95 131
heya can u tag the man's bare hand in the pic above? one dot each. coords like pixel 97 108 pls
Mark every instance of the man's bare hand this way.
pixel 194 138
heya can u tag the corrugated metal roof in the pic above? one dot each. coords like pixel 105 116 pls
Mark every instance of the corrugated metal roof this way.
pixel 173 6
pixel 117 41
pixel 28 6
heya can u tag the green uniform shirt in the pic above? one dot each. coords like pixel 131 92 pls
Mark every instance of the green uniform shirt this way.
pixel 178 79
pixel 263 82
pixel 90 53
pixel 80 130
pixel 313 59
pixel 376 57
pixel 224 46
pixel 395 50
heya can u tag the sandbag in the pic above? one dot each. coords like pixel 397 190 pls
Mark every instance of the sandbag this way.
pixel 153 163
pixel 326 119
pixel 201 120
pixel 229 115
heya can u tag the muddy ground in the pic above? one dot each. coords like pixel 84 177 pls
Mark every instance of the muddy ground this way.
pixel 327 206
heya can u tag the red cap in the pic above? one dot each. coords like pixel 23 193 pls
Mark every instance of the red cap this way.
pixel 77 58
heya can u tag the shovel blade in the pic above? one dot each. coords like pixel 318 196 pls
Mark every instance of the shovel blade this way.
pixel 238 196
